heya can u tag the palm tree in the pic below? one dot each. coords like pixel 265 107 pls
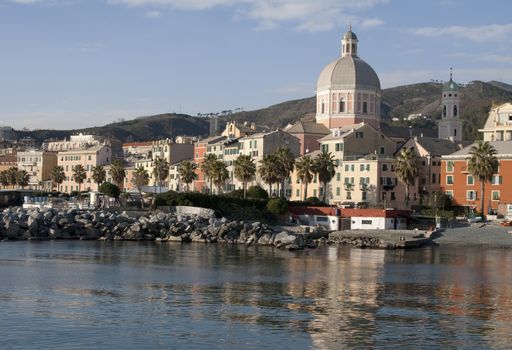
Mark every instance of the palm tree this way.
pixel 305 172
pixel 4 178
pixel 483 164
pixel 79 175
pixel 99 174
pixel 140 179
pixel 22 178
pixel 206 168
pixel 160 171
pixel 268 171
pixel 117 172
pixel 285 164
pixel 187 172
pixel 325 166
pixel 219 174
pixel 244 169
pixel 57 175
pixel 12 176
pixel 406 169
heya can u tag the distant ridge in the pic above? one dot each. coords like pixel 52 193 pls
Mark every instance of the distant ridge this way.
pixel 425 98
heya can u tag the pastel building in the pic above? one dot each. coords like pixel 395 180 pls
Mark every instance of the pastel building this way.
pixel 498 126
pixel 88 158
pixel 308 134
pixel 348 89
pixel 75 142
pixel 38 164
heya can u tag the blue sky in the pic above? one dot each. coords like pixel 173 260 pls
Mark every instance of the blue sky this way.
pixel 79 63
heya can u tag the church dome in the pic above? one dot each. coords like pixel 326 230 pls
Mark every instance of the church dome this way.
pixel 350 35
pixel 450 86
pixel 348 72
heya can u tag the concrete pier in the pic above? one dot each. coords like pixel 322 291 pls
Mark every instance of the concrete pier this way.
pixel 381 239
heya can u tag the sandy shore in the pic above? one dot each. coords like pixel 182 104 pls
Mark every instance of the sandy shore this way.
pixel 488 235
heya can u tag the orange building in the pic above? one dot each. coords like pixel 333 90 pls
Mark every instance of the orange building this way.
pixel 465 189
pixel 201 147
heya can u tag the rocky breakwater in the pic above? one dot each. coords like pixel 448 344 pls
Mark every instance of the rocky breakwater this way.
pixel 32 224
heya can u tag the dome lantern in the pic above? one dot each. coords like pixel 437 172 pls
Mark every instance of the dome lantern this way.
pixel 349 44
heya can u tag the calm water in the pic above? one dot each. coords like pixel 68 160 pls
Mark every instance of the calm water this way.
pixel 92 295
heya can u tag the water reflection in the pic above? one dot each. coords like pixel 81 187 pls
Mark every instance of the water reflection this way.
pixel 202 296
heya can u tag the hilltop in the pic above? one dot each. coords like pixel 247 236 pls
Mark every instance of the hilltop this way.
pixel 397 102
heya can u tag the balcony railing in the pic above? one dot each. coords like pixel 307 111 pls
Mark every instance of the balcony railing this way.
pixel 348 186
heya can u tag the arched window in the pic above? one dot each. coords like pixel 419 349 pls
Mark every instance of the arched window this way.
pixel 365 107
pixel 342 106
pixel 454 111
pixel 323 107
pixel 444 111
pixel 454 132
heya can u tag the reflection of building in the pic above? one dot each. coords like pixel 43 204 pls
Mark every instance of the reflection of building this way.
pixel 38 165
pixel 348 89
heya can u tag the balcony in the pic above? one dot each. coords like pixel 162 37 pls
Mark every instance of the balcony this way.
pixel 348 186
pixel 363 186
pixel 388 186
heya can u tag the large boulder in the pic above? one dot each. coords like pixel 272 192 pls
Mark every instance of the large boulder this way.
pixel 291 241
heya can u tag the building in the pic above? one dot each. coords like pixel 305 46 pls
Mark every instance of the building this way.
pixel 75 142
pixel 39 165
pixel 138 149
pixel 88 158
pixel 7 134
pixel 308 134
pixel 376 219
pixel 465 189
pixel 498 126
pixel 429 150
pixel 450 125
pixel 348 89
pixel 201 148
pixel 235 129
pixel 214 125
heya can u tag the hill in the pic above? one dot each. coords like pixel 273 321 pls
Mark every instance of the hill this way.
pixel 425 98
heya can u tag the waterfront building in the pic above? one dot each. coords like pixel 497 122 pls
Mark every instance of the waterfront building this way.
pixel 88 158
pixel 75 142
pixel 429 151
pixel 348 89
pixel 450 125
pixel 137 149
pixel 236 129
pixel 308 134
pixel 498 126
pixel 38 164
pixel 170 151
pixel 201 148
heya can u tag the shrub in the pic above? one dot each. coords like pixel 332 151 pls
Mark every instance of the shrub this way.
pixel 256 192
pixel 110 190
pixel 277 206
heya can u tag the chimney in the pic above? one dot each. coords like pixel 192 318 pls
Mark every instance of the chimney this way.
pixel 253 126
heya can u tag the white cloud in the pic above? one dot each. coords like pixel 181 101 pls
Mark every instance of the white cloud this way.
pixel 153 14
pixel 372 22
pixel 303 15
pixel 492 32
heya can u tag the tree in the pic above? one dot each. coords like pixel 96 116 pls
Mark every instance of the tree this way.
pixel 140 179
pixel 219 173
pixel 109 189
pixel 22 178
pixel 285 164
pixel 4 178
pixel 187 172
pixel 268 171
pixel 406 169
pixel 244 169
pixel 99 175
pixel 483 164
pixel 12 176
pixel 57 175
pixel 79 175
pixel 117 172
pixel 160 171
pixel 325 166
pixel 206 168
pixel 305 172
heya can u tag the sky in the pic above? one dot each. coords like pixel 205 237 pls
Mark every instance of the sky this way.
pixel 79 63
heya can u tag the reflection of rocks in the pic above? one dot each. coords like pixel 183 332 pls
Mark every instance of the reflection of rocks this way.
pixel 31 224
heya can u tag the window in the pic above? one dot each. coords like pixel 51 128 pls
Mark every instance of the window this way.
pixel 384 195
pixel 382 151
pixel 366 222
pixel 393 196
pixel 363 196
pixel 297 193
pixel 367 167
pixel 449 166
pixel 495 195
pixel 349 195
pixel 323 107
pixel 342 106
pixel 338 191
pixel 449 193
pixel 359 135
pixel 434 178
pixel 339 147
pixel 346 167
pixel 470 180
pixel 444 111
pixel 455 113
pixel 322 219
pixel 338 176
pixel 496 180
pixel 361 167
pixel 365 107
pixel 352 167
pixel 384 167
pixel 470 195
pixel 449 179
pixel 325 148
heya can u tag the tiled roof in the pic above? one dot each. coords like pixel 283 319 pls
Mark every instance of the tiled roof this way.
pixel 307 128
pixel 503 150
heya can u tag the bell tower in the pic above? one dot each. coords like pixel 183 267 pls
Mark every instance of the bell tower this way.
pixel 450 125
